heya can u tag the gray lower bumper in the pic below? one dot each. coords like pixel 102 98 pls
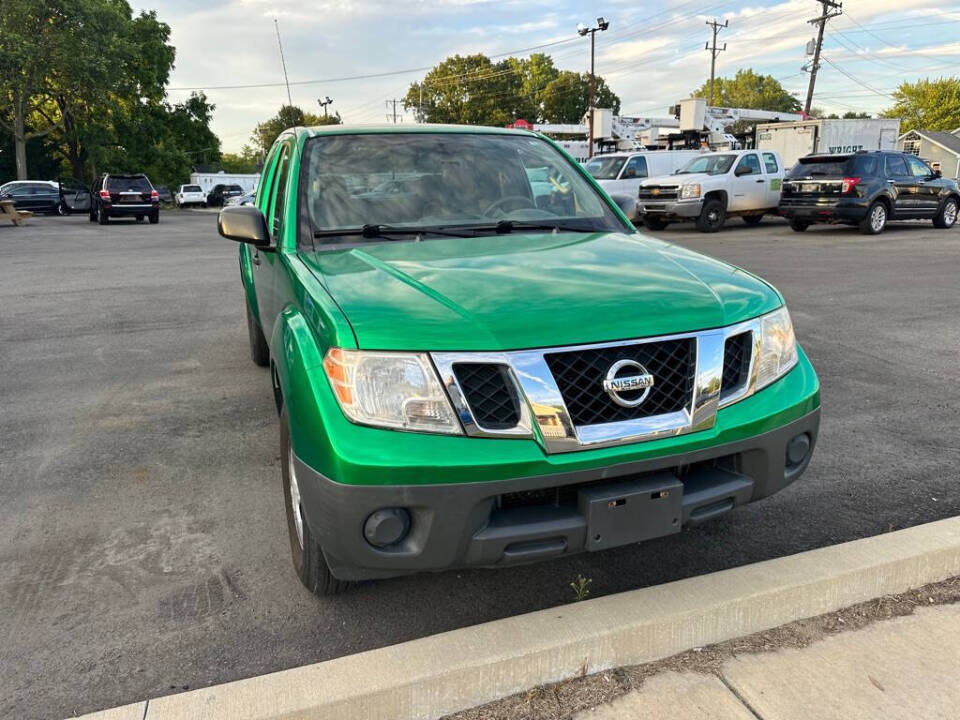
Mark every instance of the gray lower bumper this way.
pixel 675 208
pixel 484 524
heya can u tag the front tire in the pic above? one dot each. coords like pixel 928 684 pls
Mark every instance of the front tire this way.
pixel 654 223
pixel 308 561
pixel 948 214
pixel 799 225
pixel 712 216
pixel 259 350
pixel 875 220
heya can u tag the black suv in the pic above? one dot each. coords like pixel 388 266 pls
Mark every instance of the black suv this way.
pixel 218 196
pixel 119 195
pixel 867 189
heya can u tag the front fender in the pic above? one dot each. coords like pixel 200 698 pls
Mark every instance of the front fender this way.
pixel 298 371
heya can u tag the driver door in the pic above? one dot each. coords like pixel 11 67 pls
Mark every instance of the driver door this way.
pixel 748 189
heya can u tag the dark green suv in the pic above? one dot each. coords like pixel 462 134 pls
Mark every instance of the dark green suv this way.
pixel 478 361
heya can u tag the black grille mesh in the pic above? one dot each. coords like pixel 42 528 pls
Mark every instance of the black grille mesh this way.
pixel 580 373
pixel 490 394
pixel 736 362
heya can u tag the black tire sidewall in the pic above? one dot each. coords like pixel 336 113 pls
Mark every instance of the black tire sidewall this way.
pixel 940 220
pixel 655 223
pixel 866 227
pixel 703 223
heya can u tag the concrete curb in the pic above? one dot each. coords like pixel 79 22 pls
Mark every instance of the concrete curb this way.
pixel 438 675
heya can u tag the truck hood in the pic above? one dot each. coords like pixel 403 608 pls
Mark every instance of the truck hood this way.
pixel 677 179
pixel 512 292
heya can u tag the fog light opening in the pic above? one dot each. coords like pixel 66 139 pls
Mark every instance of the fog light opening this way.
pixel 797 450
pixel 386 527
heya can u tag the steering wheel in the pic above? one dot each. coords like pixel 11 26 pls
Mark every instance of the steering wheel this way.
pixel 522 199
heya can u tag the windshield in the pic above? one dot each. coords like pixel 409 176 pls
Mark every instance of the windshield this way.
pixel 444 181
pixel 605 168
pixel 709 164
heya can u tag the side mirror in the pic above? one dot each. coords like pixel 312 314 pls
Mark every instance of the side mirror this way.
pixel 742 170
pixel 937 174
pixel 244 223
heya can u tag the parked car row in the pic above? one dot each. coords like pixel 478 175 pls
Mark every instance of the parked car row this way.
pixel 866 188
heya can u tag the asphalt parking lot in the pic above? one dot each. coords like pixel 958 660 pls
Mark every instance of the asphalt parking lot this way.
pixel 143 546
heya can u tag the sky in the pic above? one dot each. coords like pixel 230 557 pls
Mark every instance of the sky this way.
pixel 652 55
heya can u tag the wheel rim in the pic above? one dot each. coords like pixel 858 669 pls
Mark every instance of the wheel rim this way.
pixel 713 217
pixel 295 497
pixel 950 213
pixel 878 218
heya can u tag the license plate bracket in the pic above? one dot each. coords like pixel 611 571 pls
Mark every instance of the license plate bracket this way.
pixel 631 511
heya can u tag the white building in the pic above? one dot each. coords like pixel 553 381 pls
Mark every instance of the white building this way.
pixel 206 181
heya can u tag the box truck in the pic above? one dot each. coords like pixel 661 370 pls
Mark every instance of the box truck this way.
pixel 793 140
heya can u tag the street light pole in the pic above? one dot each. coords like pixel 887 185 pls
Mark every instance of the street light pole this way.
pixel 583 30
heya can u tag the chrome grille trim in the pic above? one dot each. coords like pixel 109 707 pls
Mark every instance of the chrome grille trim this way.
pixel 544 415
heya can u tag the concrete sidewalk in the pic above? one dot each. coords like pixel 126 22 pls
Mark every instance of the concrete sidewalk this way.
pixel 906 667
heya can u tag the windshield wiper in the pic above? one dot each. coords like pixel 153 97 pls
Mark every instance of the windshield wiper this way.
pixel 505 227
pixel 373 231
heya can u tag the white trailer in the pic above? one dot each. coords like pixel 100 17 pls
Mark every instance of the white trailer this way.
pixel 793 140
pixel 207 180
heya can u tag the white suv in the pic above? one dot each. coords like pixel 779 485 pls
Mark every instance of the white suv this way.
pixel 190 195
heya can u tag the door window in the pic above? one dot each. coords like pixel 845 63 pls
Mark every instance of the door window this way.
pixel 636 168
pixel 918 167
pixel 279 191
pixel 751 162
pixel 770 162
pixel 896 166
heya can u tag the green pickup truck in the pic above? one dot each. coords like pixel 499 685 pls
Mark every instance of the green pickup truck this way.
pixel 472 372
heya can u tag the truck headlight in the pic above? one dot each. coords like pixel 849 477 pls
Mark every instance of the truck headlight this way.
pixel 690 191
pixel 391 390
pixel 778 347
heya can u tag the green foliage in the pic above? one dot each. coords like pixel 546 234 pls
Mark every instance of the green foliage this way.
pixel 747 89
pixel 473 90
pixel 246 161
pixel 580 590
pixel 288 116
pixel 567 98
pixel 927 105
pixel 91 77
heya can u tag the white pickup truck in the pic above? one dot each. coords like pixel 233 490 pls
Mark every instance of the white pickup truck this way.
pixel 713 186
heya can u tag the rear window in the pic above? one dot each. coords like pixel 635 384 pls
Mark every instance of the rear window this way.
pixel 820 167
pixel 119 183
pixel 192 188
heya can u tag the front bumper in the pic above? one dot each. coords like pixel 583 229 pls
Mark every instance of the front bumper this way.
pixel 668 209
pixel 476 502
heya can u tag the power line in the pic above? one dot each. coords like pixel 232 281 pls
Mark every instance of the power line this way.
pixel 714 50
pixel 829 9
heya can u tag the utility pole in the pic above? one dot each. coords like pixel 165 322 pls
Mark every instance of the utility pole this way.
pixel 714 51
pixel 392 115
pixel 829 9
pixel 583 30
pixel 323 103
pixel 286 80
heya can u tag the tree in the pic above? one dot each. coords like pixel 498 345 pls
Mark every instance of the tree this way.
pixel 287 117
pixel 747 89
pixel 927 104
pixel 473 90
pixel 246 161
pixel 567 98
pixel 32 34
